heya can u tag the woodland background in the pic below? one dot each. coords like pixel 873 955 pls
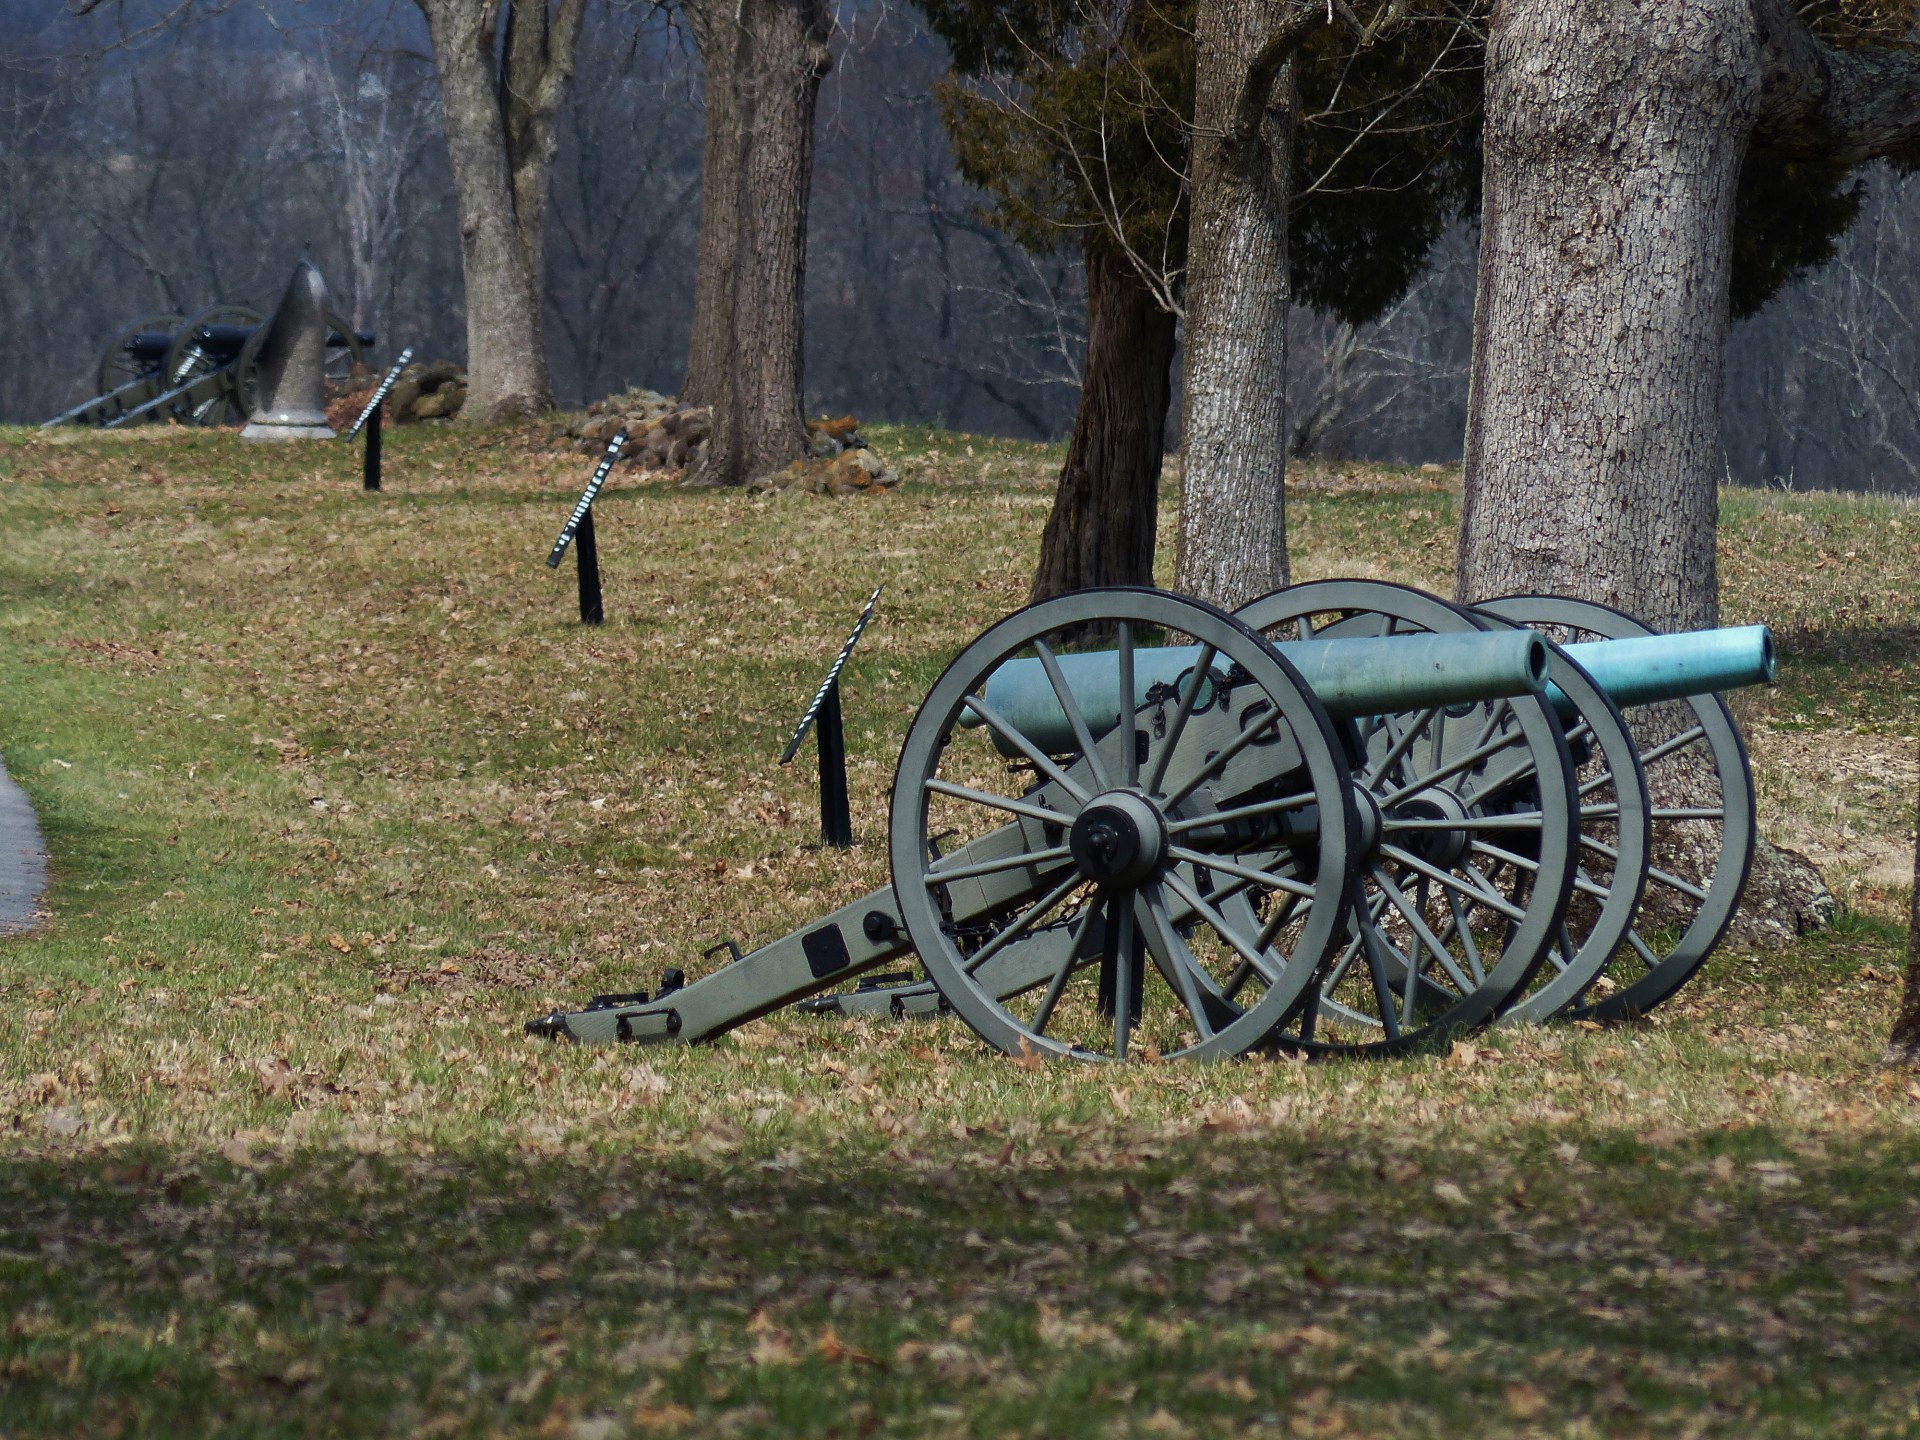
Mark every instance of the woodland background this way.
pixel 196 162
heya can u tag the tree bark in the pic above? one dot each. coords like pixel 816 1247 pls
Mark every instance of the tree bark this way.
pixel 1615 133
pixel 778 59
pixel 536 72
pixel 1614 136
pixel 501 118
pixel 1105 512
pixel 1903 1045
pixel 1233 544
pixel 717 39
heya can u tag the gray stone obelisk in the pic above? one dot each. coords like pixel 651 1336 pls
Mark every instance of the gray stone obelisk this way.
pixel 289 385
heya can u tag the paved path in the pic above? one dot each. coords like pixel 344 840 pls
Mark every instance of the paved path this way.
pixel 23 859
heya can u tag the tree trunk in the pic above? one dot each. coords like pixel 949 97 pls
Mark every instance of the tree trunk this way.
pixel 1102 528
pixel 1232 513
pixel 536 70
pixel 779 58
pixel 1614 138
pixel 500 119
pixel 717 38
pixel 1903 1046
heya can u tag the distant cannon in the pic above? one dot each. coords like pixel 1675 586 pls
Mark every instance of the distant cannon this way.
pixel 195 370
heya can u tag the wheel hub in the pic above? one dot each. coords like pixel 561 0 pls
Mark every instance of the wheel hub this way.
pixel 1119 839
pixel 1438 846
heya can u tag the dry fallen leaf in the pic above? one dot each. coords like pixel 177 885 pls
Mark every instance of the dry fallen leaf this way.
pixel 1525 1400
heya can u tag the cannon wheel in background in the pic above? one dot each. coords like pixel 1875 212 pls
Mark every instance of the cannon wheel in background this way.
pixel 1615 846
pixel 185 362
pixel 1221 987
pixel 1654 966
pixel 117 366
pixel 1459 901
pixel 342 358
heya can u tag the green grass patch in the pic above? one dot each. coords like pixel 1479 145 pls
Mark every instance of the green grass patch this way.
pixel 338 795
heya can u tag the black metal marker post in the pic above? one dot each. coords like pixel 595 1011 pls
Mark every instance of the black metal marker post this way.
pixel 836 819
pixel 579 533
pixel 586 554
pixel 369 420
pixel 370 467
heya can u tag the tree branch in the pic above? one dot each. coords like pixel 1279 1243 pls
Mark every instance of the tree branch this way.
pixel 1821 102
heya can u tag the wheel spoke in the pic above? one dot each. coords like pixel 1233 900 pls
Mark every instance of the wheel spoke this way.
pixel 1464 930
pixel 1026 859
pixel 1264 878
pixel 1022 923
pixel 1000 802
pixel 1175 953
pixel 1227 753
pixel 1605 777
pixel 1220 926
pixel 1006 731
pixel 1282 915
pixel 1452 768
pixel 1691 813
pixel 1120 944
pixel 1519 820
pixel 1519 862
pixel 1660 752
pixel 1566 947
pixel 1062 692
pixel 1489 897
pixel 1129 755
pixel 1401 744
pixel 1179 725
pixel 1421 932
pixel 1057 986
pixel 1241 812
pixel 1674 882
pixel 1643 950
pixel 1371 943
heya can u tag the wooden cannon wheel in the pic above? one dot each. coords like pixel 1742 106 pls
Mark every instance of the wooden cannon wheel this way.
pixel 1120 853
pixel 187 361
pixel 1469 850
pixel 1615 846
pixel 1683 916
pixel 118 365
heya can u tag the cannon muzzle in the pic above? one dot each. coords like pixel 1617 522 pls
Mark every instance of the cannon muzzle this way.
pixel 1652 668
pixel 1404 672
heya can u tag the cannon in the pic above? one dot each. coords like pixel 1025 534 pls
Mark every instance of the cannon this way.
pixel 1400 979
pixel 196 370
pixel 1249 862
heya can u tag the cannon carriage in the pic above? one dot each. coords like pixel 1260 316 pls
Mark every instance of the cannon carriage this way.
pixel 195 370
pixel 1352 818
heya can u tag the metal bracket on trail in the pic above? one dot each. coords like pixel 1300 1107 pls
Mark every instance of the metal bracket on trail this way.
pixel 380 393
pixel 833 677
pixel 600 474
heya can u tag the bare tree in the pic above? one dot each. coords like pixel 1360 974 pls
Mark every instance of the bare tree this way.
pixel 1615 140
pixel 376 121
pixel 1234 441
pixel 1903 1045
pixel 1822 389
pixel 505 66
pixel 764 63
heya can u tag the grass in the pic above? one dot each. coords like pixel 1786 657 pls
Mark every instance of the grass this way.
pixel 338 796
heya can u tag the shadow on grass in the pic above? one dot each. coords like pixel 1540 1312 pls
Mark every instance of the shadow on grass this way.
pixel 1233 1283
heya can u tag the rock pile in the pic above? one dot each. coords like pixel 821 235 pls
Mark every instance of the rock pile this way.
pixel 664 434
pixel 424 392
pixel 428 392
pixel 841 464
